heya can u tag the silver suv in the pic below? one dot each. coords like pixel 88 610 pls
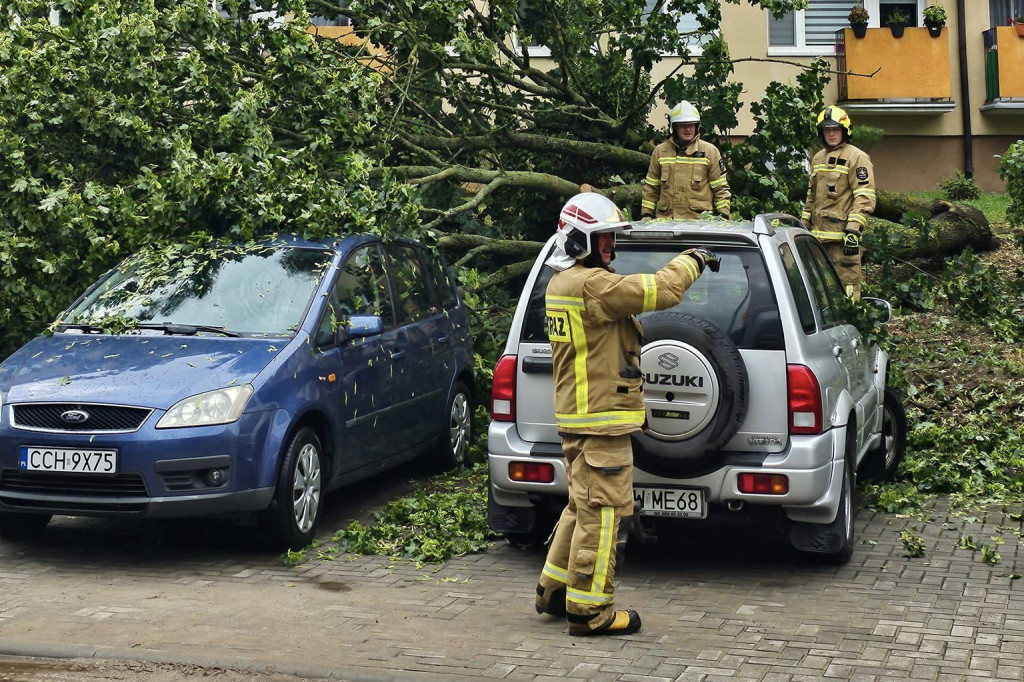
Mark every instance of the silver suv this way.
pixel 760 395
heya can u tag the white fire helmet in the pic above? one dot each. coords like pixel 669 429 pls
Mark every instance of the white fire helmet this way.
pixel 586 214
pixel 684 112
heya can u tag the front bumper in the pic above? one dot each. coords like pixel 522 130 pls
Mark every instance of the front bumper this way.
pixel 161 473
pixel 812 464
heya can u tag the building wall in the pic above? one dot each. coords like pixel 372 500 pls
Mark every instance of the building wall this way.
pixel 918 149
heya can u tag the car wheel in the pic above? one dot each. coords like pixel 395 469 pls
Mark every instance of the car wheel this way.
pixel 22 526
pixel 881 463
pixel 696 393
pixel 830 543
pixel 293 515
pixel 452 448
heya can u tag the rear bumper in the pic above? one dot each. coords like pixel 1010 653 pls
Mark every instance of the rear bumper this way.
pixel 813 465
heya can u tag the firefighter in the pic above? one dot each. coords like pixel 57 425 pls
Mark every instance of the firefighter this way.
pixel 687 175
pixel 595 348
pixel 840 196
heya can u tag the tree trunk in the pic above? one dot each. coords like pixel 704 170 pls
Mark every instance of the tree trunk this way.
pixel 946 229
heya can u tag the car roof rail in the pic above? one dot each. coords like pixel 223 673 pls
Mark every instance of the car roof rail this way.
pixel 763 222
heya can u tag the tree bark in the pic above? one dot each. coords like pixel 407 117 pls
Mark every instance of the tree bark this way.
pixel 947 228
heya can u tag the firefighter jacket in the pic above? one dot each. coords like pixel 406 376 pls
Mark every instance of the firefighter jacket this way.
pixel 840 192
pixel 685 184
pixel 595 342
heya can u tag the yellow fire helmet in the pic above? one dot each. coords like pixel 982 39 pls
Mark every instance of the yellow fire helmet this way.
pixel 834 116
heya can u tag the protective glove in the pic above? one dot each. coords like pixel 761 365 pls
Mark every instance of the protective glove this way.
pixel 851 244
pixel 706 257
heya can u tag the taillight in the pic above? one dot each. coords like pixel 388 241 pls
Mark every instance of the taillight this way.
pixel 531 472
pixel 762 484
pixel 804 401
pixel 503 390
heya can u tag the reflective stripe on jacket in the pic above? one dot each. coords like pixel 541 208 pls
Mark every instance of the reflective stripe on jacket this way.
pixel 686 184
pixel 840 192
pixel 595 342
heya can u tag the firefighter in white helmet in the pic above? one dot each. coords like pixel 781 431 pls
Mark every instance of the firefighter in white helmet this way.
pixel 595 349
pixel 840 196
pixel 687 175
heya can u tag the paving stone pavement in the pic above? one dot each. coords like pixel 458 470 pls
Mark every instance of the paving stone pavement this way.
pixel 719 602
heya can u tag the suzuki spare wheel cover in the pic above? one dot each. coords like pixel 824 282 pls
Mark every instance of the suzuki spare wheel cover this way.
pixel 681 389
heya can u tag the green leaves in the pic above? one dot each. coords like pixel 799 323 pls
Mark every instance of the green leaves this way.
pixel 136 122
pixel 433 524
pixel 1011 170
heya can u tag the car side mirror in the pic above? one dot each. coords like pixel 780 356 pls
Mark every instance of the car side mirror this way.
pixel 360 326
pixel 883 307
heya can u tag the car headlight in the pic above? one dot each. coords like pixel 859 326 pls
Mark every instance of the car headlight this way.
pixel 222 406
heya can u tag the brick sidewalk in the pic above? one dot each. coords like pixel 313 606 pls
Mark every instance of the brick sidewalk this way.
pixel 745 609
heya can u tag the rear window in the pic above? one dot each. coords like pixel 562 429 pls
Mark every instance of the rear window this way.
pixel 738 299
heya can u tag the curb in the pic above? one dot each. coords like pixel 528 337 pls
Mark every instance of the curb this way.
pixel 355 673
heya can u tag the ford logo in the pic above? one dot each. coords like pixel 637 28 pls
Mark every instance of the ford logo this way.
pixel 74 416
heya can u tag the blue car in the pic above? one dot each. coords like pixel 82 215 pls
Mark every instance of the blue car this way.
pixel 237 379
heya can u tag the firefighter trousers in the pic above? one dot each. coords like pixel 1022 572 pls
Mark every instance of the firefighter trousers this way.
pixel 582 553
pixel 848 268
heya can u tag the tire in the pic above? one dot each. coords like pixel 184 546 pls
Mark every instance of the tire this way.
pixel 452 449
pixel 292 518
pixel 543 526
pixel 22 526
pixel 830 543
pixel 678 350
pixel 881 463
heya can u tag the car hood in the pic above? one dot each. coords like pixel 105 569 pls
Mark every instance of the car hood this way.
pixel 144 370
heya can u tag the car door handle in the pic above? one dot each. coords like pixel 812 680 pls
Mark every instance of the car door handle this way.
pixel 837 351
pixel 442 339
pixel 398 355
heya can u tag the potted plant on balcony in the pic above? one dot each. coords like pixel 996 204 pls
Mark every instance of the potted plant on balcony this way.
pixel 897 22
pixel 858 18
pixel 1018 24
pixel 934 19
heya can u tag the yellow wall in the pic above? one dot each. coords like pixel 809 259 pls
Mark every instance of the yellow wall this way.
pixel 915 65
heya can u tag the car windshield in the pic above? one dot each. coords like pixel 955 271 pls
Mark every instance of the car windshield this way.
pixel 248 289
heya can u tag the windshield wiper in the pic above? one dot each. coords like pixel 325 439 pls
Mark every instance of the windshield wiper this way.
pixel 84 328
pixel 186 329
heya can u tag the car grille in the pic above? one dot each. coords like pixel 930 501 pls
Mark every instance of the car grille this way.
pixel 101 418
pixel 84 488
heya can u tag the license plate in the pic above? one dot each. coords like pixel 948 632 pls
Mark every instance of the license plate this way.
pixel 680 503
pixel 67 460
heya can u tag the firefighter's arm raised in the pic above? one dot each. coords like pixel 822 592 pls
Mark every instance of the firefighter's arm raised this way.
pixel 610 296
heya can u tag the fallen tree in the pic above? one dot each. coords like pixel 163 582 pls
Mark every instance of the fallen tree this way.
pixel 912 228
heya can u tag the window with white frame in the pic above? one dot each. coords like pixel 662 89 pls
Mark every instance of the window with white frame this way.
pixel 688 25
pixel 813 30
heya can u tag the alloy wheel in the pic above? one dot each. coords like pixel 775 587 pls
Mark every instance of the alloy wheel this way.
pixel 306 488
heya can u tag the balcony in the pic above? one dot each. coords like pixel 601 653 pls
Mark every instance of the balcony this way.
pixel 907 75
pixel 1004 71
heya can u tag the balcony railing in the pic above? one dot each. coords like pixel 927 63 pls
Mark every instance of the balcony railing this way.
pixel 1004 64
pixel 879 67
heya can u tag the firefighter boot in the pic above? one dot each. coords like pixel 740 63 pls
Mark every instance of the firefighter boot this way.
pixel 621 623
pixel 551 601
